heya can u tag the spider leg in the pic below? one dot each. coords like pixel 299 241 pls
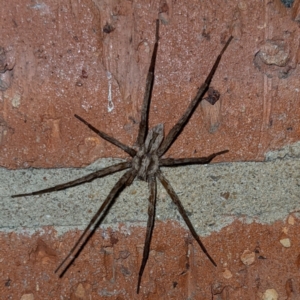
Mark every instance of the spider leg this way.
pixel 87 234
pixel 175 131
pixel 150 226
pixel 177 202
pixel 108 138
pixel 106 171
pixel 143 128
pixel 170 162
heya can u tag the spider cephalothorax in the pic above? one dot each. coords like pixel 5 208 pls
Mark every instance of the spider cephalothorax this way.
pixel 147 158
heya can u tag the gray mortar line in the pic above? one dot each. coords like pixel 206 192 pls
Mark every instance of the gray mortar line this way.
pixel 257 191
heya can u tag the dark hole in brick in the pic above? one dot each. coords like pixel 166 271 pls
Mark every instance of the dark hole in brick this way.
pixel 287 3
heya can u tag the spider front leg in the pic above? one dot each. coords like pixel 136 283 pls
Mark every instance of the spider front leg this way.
pixel 150 226
pixel 143 127
pixel 181 210
pixel 178 127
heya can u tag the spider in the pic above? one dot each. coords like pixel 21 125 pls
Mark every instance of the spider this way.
pixel 147 158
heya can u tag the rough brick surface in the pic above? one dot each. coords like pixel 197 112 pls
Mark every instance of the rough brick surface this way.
pixel 251 260
pixel 91 58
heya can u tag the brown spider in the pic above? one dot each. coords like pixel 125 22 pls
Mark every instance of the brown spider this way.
pixel 145 165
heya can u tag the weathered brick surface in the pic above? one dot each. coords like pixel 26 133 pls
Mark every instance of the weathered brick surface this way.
pixel 177 269
pixel 91 58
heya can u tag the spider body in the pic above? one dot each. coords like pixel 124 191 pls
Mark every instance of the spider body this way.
pixel 147 158
pixel 146 161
